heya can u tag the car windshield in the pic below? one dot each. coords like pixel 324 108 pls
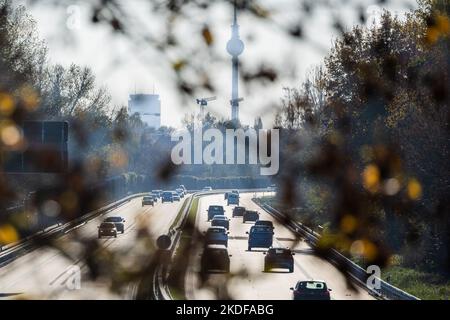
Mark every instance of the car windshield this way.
pixel 261 229
pixel 113 219
pixel 148 198
pixel 107 225
pixel 280 251
pixel 215 230
pixel 312 285
pixel 216 253
pixel 220 218
pixel 251 213
pixel 216 208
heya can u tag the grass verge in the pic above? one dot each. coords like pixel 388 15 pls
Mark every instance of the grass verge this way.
pixel 182 254
pixel 180 213
pixel 426 286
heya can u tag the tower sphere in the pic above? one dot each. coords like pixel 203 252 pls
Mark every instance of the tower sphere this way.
pixel 235 46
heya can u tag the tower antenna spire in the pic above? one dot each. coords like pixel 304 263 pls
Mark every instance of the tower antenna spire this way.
pixel 235 13
pixel 235 47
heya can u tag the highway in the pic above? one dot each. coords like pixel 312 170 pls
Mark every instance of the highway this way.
pixel 44 272
pixel 252 283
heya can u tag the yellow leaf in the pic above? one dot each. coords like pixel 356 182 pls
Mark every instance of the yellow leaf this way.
pixel 371 178
pixel 8 234
pixel 6 104
pixel 414 189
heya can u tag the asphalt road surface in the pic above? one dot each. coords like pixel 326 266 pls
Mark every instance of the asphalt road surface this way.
pixel 47 273
pixel 253 283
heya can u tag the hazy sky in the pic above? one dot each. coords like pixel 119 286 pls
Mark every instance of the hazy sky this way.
pixel 123 66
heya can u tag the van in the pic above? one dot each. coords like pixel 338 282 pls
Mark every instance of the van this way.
pixel 260 237
pixel 215 210
pixel 215 258
pixel 233 198
pixel 167 196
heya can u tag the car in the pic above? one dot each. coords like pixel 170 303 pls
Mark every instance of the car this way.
pixel 250 215
pixel 215 258
pixel 220 221
pixel 118 221
pixel 216 235
pixel 107 229
pixel 238 211
pixel 207 189
pixel 155 195
pixel 233 198
pixel 148 201
pixel 279 258
pixel 264 223
pixel 167 196
pixel 260 237
pixel 176 197
pixel 311 290
pixel 214 210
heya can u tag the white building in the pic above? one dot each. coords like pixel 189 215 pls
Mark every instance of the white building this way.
pixel 148 106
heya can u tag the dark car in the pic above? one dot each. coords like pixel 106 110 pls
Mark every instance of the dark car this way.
pixel 215 258
pixel 220 221
pixel 155 195
pixel 279 258
pixel 107 229
pixel 264 223
pixel 238 212
pixel 260 237
pixel 167 196
pixel 148 201
pixel 233 198
pixel 311 290
pixel 250 216
pixel 175 196
pixel 118 221
pixel 216 235
pixel 215 211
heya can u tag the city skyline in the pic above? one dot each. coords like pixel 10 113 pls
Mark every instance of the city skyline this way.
pixel 135 67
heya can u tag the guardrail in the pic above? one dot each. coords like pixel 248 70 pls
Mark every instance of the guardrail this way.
pixel 12 251
pixel 160 289
pixel 358 274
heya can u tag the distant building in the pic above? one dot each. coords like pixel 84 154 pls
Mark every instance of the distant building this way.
pixel 148 106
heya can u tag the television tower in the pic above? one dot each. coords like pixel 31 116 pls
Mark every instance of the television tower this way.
pixel 235 47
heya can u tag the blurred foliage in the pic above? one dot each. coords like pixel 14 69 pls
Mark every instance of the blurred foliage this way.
pixel 365 137
pixel 373 128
